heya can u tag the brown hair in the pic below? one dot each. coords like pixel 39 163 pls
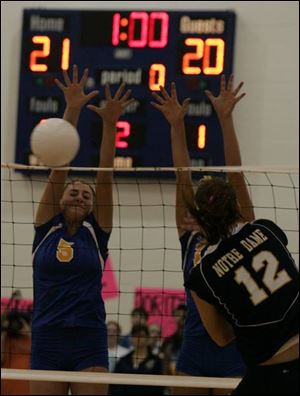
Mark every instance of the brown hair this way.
pixel 215 208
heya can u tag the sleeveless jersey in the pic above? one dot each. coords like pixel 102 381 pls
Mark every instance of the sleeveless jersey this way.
pixel 67 273
pixel 191 247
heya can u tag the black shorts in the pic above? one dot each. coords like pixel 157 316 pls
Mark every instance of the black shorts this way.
pixel 277 379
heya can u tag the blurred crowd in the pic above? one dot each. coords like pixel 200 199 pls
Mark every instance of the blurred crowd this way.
pixel 142 351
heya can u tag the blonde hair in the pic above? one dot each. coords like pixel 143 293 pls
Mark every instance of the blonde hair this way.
pixel 82 182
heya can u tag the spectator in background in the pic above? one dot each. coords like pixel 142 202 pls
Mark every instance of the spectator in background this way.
pixel 139 361
pixel 172 344
pixel 115 350
pixel 155 340
pixel 15 345
pixel 139 316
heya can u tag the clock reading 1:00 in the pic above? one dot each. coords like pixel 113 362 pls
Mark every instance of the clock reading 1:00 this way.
pixel 143 29
pixel 146 49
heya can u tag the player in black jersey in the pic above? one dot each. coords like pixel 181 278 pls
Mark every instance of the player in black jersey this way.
pixel 246 288
pixel 199 354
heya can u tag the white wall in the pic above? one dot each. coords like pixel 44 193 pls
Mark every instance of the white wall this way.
pixel 266 58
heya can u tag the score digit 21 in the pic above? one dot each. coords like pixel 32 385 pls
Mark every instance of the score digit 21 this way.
pixel 146 49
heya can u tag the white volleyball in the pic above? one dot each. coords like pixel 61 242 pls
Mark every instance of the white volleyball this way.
pixel 55 142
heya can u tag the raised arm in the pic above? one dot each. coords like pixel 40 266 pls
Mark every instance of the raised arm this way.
pixel 110 114
pixel 174 113
pixel 224 104
pixel 75 99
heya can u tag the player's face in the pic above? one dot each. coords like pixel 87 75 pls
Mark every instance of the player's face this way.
pixel 77 201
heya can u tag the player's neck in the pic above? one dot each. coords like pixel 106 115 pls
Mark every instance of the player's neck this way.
pixel 72 227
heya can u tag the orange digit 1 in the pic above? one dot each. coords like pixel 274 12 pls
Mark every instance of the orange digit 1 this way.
pixel 190 56
pixel 157 76
pixel 65 54
pixel 43 53
pixel 124 132
pixel 220 51
pixel 201 142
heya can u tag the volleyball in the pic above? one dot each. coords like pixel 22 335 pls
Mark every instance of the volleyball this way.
pixel 55 142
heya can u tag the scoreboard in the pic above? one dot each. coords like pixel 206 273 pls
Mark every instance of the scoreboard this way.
pixel 145 49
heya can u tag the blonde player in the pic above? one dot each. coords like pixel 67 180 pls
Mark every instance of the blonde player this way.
pixel 72 229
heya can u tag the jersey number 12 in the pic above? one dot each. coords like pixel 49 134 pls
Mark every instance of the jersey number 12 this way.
pixel 272 279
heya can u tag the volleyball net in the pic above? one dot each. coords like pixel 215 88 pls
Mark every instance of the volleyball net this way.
pixel 144 264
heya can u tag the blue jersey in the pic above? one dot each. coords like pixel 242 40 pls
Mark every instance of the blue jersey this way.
pixel 192 245
pixel 67 274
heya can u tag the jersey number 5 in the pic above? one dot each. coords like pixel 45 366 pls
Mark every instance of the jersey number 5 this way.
pixel 64 252
pixel 272 279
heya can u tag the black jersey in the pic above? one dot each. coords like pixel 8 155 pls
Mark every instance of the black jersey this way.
pixel 253 280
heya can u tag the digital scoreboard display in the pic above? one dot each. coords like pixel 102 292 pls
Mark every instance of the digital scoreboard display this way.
pixel 145 49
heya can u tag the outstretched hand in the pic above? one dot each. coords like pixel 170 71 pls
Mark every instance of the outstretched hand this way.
pixel 169 105
pixel 74 90
pixel 227 99
pixel 189 223
pixel 114 106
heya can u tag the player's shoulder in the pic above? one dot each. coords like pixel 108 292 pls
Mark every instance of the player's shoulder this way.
pixel 271 227
pixel 91 223
pixel 189 239
pixel 188 236
pixel 56 220
pixel 43 230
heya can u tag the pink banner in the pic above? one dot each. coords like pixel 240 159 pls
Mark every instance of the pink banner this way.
pixel 109 283
pixel 160 304
pixel 21 305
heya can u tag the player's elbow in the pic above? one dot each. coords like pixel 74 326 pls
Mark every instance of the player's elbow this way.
pixel 223 334
pixel 223 339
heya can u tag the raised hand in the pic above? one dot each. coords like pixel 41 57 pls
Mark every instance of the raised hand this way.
pixel 169 105
pixel 227 99
pixel 74 90
pixel 189 223
pixel 113 108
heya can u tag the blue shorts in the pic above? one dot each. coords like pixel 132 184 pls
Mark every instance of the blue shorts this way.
pixel 69 349
pixel 200 356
